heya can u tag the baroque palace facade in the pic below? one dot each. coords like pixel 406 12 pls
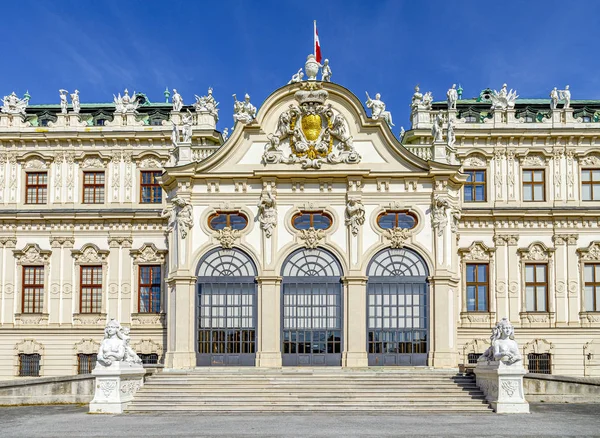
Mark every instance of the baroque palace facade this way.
pixel 311 236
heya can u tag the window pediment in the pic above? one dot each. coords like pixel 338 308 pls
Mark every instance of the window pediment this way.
pixel 32 254
pixel 536 252
pixel 591 253
pixel 478 251
pixel 89 254
pixel 148 253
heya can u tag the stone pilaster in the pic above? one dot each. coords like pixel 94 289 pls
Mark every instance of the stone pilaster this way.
pixel 119 277
pixel 57 259
pixel 181 351
pixel 68 282
pixel 269 322
pixel 355 319
pixel 514 274
pixel 7 280
pixel 443 352
pixel 561 279
pixel 573 270
pixel 502 282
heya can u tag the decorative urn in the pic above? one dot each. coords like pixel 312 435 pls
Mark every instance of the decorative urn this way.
pixel 311 67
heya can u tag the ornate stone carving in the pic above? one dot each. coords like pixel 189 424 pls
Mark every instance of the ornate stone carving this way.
pixel 378 109
pixel 93 162
pixel 503 347
pixel 9 242
pixel 354 215
pixel 148 319
pixel 29 346
pixel 59 241
pixel 590 160
pixel 267 212
pixel 397 236
pixel 32 254
pixel 311 134
pixel 36 163
pixel 535 252
pixel 89 254
pixel 503 99
pixel 591 253
pixel 151 163
pixel 31 319
pixel 227 237
pixel 88 319
pixel 533 160
pixel 475 161
pixel 126 103
pixel 13 105
pixel 538 346
pixel 179 214
pixel 243 112
pixel 115 346
pixel 439 217
pixel 207 104
pixel 177 101
pixel 107 386
pixel 477 251
pixel 86 346
pixel 311 237
pixel 130 386
pixel 120 241
pixel 148 346
pixel 148 253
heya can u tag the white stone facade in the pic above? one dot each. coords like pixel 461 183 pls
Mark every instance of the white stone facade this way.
pixel 259 172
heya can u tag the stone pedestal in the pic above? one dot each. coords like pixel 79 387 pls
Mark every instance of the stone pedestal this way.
pixel 439 151
pixel 115 386
pixel 502 385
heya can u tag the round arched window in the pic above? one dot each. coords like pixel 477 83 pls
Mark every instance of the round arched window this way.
pixel 317 220
pixel 233 220
pixel 397 219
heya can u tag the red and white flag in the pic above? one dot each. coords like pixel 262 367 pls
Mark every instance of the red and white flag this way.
pixel 317 45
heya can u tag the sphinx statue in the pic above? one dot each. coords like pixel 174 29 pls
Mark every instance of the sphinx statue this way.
pixel 504 348
pixel 115 346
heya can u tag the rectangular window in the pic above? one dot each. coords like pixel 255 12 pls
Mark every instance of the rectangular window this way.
pixel 86 363
pixel 474 188
pixel 536 287
pixel 149 289
pixel 591 279
pixel 29 365
pixel 590 184
pixel 539 363
pixel 477 287
pixel 36 188
pixel 150 190
pixel 91 289
pixel 149 358
pixel 93 187
pixel 534 185
pixel 33 289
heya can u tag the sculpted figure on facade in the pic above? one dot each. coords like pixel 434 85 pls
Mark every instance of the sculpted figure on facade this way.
pixel 452 96
pixel 451 139
pixel 437 129
pixel 267 212
pixel 378 110
pixel 13 105
pixel 125 103
pixel 243 112
pixel 566 96
pixel 207 104
pixel 355 215
pixel 427 100
pixel 439 217
pixel 115 346
pixel 186 131
pixel 225 134
pixel 64 103
pixel 503 99
pixel 504 348
pixel 297 77
pixel 177 101
pixel 553 99
pixel 75 102
pixel 326 71
pixel 183 212
pixel 417 99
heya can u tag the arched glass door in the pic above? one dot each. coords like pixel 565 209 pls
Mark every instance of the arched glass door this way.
pixel 226 311
pixel 311 309
pixel 397 309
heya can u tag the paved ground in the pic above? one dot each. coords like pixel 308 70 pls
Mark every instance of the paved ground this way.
pixel 71 421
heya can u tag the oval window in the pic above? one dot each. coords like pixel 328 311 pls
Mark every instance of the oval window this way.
pixel 397 219
pixel 316 220
pixel 220 220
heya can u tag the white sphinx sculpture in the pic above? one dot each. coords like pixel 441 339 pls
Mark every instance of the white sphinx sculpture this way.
pixel 119 372
pixel 500 372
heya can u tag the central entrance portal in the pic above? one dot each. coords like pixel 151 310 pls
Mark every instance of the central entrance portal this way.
pixel 226 309
pixel 311 309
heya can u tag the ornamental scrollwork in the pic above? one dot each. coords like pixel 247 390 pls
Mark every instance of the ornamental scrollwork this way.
pixel 354 215
pixel 397 236
pixel 311 133
pixel 311 237
pixel 267 212
pixel 227 237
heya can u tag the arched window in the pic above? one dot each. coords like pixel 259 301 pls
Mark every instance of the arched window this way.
pixel 311 263
pixel 311 219
pixel 227 263
pixel 397 219
pixel 397 262
pixel 233 220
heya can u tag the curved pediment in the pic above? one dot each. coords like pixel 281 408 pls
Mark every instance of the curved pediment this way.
pixel 312 126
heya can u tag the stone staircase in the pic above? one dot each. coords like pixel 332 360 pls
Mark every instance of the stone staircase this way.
pixel 309 390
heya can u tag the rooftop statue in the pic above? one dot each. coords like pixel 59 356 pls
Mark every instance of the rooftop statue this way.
pixel 417 99
pixel 553 99
pixel 243 112
pixel 504 348
pixel 115 346
pixel 378 109
pixel 225 134
pixel 503 99
pixel 326 71
pixel 427 100
pixel 296 77
pixel 64 103
pixel 207 104
pixel 452 96
pixel 125 104
pixel 566 96
pixel 186 131
pixel 13 105
pixel 437 128
pixel 311 67
pixel 177 101
pixel 451 139
pixel 75 102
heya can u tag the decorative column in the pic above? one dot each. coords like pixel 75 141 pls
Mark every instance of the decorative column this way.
pixel 442 349
pixel 502 282
pixel 54 297
pixel 561 279
pixel 575 261
pixel 269 322
pixel 181 348
pixel 514 292
pixel 119 275
pixel 7 279
pixel 267 217
pixel 355 319
pixel 67 304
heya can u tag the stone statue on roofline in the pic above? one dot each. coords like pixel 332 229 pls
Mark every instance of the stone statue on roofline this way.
pixel 378 110
pixel 427 100
pixel 326 71
pixel 75 102
pixel 452 96
pixel 553 99
pixel 125 103
pixel 177 101
pixel 64 103
pixel 13 105
pixel 503 99
pixel 243 112
pixel 566 96
pixel 296 77
pixel 207 104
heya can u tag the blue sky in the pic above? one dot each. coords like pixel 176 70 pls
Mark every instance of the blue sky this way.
pixel 101 47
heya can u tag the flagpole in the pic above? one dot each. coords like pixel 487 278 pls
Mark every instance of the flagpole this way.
pixel 315 37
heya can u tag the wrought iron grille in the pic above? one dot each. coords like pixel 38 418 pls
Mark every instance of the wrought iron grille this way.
pixel 29 365
pixel 473 357
pixel 149 358
pixel 85 363
pixel 540 363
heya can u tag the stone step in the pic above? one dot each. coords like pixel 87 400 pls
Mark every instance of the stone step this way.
pixel 391 407
pixel 277 389
pixel 312 398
